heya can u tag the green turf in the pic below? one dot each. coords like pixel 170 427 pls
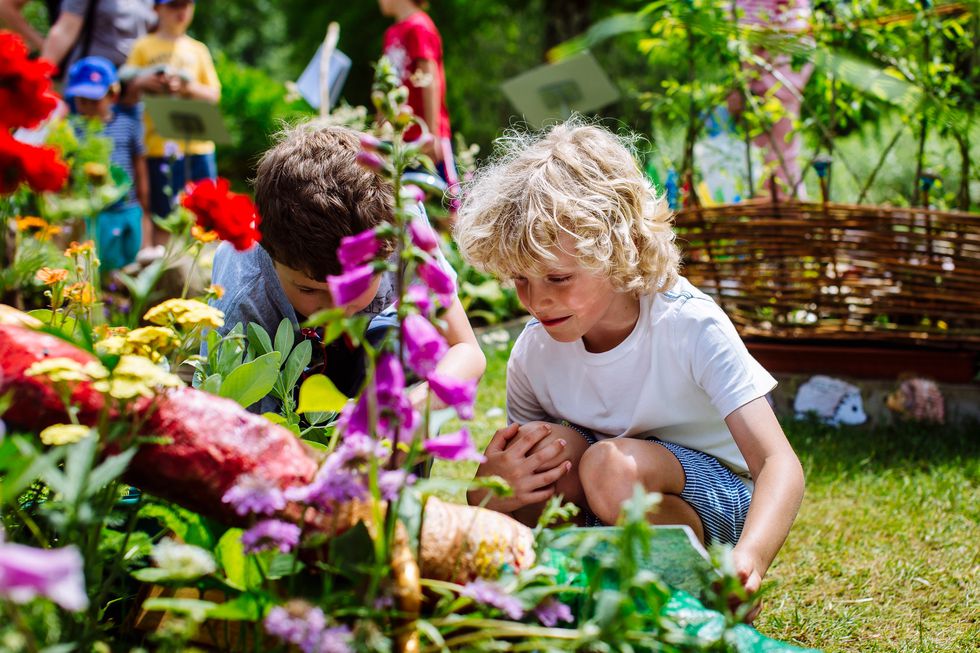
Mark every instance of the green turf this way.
pixel 885 554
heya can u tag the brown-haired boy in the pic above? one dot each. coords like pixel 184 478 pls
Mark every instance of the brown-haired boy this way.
pixel 311 193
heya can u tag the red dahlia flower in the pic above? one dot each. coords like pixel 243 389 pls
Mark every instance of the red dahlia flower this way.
pixel 25 85
pixel 38 167
pixel 232 215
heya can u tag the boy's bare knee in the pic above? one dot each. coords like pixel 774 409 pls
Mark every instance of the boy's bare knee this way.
pixel 569 485
pixel 607 477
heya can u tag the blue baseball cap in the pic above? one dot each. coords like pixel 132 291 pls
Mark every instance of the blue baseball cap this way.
pixel 91 78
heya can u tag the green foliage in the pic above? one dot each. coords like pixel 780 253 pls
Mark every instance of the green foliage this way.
pixel 258 108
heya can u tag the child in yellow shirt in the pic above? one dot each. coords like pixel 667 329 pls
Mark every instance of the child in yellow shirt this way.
pixel 168 62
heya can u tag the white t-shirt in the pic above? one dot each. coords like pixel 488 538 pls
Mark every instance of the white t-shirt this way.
pixel 681 371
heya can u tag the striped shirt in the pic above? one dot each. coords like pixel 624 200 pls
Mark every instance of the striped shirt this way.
pixel 125 130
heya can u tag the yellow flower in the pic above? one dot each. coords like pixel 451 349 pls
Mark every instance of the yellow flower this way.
pixel 51 276
pixel 44 235
pixel 96 172
pixel 188 313
pixel 31 222
pixel 60 434
pixel 81 293
pixel 203 235
pixel 138 376
pixel 77 248
pixel 106 331
pixel 215 290
pixel 60 368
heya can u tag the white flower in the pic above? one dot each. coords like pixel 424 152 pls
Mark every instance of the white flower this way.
pixel 183 561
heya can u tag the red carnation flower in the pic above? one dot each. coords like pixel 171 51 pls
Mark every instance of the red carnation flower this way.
pixel 232 215
pixel 40 168
pixel 25 85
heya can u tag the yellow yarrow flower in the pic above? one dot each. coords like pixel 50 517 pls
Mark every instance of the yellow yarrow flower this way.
pixel 61 434
pixel 51 276
pixel 60 368
pixel 112 346
pixel 136 376
pixel 188 313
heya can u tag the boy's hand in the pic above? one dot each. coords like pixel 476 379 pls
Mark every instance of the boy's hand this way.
pixel 750 573
pixel 531 476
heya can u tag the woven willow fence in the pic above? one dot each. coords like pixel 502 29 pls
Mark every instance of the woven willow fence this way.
pixel 837 271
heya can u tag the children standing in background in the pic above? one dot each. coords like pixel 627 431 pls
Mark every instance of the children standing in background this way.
pixel 168 62
pixel 628 375
pixel 414 47
pixel 124 227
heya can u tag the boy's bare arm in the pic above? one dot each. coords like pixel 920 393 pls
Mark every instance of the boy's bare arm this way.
pixel 12 15
pixel 62 36
pixel 778 478
pixel 141 182
pixel 431 104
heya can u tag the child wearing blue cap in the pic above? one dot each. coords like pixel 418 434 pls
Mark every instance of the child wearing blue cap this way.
pixel 93 88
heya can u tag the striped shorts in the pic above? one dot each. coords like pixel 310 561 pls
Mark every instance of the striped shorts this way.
pixel 716 493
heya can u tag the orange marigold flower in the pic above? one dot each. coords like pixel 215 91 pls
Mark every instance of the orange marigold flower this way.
pixel 51 276
pixel 30 222
pixel 215 290
pixel 81 293
pixel 77 248
pixel 203 234
pixel 45 234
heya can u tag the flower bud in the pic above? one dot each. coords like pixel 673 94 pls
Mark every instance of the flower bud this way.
pixel 370 160
pixel 371 143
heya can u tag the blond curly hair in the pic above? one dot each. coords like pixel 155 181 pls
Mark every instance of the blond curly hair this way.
pixel 577 179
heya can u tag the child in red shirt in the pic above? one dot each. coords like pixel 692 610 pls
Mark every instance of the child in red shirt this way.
pixel 414 47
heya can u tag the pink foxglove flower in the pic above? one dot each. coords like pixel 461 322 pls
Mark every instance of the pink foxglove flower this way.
pixel 350 285
pixel 358 249
pixel 413 193
pixel 454 392
pixel 438 281
pixel 423 235
pixel 418 296
pixel 424 344
pixel 454 446
pixel 56 574
pixel 370 160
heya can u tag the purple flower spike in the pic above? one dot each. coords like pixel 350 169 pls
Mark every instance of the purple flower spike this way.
pixel 370 160
pixel 358 249
pixel 413 192
pixel 454 446
pixel 391 483
pixel 350 285
pixel 438 281
pixel 423 235
pixel 389 377
pixel 493 595
pixel 306 626
pixel 56 574
pixel 371 143
pixel 418 295
pixel 253 493
pixel 454 392
pixel 424 344
pixel 271 534
pixel 551 611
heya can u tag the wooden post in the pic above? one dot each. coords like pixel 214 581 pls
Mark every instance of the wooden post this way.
pixel 329 45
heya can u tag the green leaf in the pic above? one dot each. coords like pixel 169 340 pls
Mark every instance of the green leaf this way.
pixel 284 564
pixel 155 575
pixel 284 336
pixel 188 526
pixel 245 607
pixel 231 350
pixel 258 338
pixel 319 394
pixel 275 418
pixel 212 384
pixel 196 609
pixel 298 359
pixel 21 462
pixel 249 383
pixel 110 469
pixel 241 571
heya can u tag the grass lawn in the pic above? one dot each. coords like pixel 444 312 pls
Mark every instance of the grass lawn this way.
pixel 885 554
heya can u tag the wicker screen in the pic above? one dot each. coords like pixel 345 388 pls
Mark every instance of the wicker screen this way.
pixel 836 271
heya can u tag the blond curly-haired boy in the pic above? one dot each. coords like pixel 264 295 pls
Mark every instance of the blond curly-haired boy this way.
pixel 627 374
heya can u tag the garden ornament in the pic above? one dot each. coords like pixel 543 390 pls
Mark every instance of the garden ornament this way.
pixel 919 400
pixel 833 401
